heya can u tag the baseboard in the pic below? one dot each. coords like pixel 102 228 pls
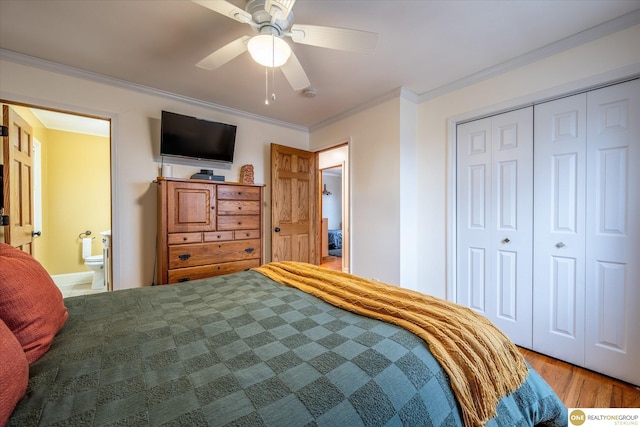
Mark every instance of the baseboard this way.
pixel 72 279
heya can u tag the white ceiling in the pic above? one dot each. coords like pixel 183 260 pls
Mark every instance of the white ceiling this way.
pixel 423 46
pixel 72 123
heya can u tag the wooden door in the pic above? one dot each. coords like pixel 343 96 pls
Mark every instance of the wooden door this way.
pixel 494 225
pixel 613 231
pixel 294 205
pixel 559 215
pixel 18 180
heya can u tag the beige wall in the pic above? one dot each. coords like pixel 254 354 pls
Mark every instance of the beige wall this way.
pixel 135 116
pixel 382 147
pixel 75 194
pixel 374 158
pixel 593 63
pixel 78 186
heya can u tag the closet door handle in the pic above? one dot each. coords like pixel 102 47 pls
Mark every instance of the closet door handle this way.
pixel 505 240
pixel 560 245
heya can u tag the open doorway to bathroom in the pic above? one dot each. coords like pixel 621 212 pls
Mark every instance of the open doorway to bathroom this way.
pixel 71 197
pixel 334 205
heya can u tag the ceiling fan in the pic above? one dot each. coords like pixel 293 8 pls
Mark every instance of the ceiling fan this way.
pixel 272 20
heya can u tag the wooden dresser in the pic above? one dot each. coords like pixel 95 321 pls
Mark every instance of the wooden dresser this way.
pixel 207 229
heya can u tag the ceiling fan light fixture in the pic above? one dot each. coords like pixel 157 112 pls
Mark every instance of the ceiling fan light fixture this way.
pixel 269 50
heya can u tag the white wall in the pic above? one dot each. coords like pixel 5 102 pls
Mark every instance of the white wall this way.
pixel 135 116
pixel 594 63
pixel 381 159
pixel 380 152
pixel 332 203
pixel 410 259
pixel 374 158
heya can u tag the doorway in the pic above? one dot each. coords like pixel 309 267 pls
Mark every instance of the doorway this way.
pixel 334 208
pixel 72 190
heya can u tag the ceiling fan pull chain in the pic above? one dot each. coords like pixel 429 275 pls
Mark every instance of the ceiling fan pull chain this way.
pixel 273 68
pixel 266 86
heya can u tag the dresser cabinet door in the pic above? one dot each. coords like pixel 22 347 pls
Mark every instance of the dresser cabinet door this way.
pixel 190 207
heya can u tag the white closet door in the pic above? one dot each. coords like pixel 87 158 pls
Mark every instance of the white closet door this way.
pixel 559 228
pixel 494 209
pixel 613 231
pixel 473 214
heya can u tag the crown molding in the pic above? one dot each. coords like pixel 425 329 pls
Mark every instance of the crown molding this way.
pixel 588 35
pixel 400 92
pixel 593 33
pixel 43 64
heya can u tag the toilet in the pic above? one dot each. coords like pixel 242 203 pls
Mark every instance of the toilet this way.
pixel 94 263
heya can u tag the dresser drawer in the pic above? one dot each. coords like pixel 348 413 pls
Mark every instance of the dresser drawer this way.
pixel 234 192
pixel 238 222
pixel 196 254
pixel 218 236
pixel 193 273
pixel 238 207
pixel 246 234
pixel 178 238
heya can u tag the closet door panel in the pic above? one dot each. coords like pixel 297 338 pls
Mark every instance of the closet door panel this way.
pixel 473 213
pixel 613 231
pixel 509 295
pixel 494 224
pixel 559 242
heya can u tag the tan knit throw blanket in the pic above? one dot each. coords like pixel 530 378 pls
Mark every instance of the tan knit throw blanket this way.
pixel 482 363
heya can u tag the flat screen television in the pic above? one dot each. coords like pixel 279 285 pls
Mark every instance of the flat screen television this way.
pixel 193 138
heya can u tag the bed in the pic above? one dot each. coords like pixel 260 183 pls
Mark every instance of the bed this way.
pixel 247 350
pixel 335 242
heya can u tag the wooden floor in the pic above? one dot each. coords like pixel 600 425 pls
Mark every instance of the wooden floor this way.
pixel 581 388
pixel 332 263
pixel 576 387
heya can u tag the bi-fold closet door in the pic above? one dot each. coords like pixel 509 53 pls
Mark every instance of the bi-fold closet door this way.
pixel 574 289
pixel 494 227
pixel 587 230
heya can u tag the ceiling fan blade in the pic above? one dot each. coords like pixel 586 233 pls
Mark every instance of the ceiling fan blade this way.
pixel 225 54
pixel 294 73
pixel 334 38
pixel 278 9
pixel 227 9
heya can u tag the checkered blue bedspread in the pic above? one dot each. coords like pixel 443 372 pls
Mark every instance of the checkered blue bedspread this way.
pixel 242 350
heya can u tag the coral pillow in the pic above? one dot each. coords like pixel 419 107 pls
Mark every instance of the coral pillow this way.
pixel 30 303
pixel 14 372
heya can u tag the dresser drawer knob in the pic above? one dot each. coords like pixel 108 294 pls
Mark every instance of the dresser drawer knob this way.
pixel 249 250
pixel 184 279
pixel 185 238
pixel 184 257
